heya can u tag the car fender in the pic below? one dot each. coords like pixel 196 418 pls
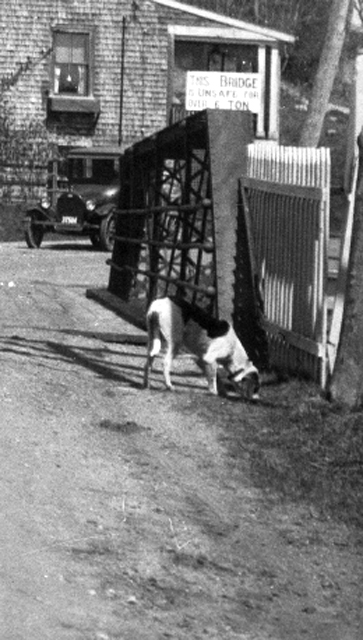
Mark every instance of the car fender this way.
pixel 40 213
pixel 105 209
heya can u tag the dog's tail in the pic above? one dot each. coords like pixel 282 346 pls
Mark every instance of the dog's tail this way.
pixel 154 333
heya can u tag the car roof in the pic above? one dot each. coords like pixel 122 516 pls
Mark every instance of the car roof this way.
pixel 95 152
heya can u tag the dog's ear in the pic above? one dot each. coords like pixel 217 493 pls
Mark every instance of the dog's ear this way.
pixel 247 383
pixel 249 370
pixel 249 386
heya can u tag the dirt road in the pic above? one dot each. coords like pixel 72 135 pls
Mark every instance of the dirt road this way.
pixel 133 515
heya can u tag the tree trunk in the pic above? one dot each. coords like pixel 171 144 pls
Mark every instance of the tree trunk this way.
pixel 324 79
pixel 346 386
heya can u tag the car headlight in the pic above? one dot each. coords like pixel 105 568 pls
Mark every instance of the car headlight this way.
pixel 90 205
pixel 45 203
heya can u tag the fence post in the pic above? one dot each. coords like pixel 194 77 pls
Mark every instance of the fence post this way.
pixel 346 385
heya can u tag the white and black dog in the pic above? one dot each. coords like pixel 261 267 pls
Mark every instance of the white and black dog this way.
pixel 175 323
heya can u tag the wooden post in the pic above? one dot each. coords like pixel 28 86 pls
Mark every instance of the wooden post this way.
pixel 229 133
pixel 260 133
pixel 274 93
pixel 346 385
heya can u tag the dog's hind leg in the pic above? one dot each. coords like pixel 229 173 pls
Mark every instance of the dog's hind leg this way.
pixel 147 369
pixel 168 361
pixel 153 345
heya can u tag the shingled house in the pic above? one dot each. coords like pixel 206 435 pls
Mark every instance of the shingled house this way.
pixel 97 72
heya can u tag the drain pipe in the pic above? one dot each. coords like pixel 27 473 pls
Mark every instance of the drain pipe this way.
pixel 122 80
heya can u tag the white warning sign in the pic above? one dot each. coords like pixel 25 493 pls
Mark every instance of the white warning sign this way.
pixel 219 90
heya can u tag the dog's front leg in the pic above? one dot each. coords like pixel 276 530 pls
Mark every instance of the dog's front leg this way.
pixel 210 370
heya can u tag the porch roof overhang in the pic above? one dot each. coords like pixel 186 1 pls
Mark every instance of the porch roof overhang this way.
pixel 252 31
pixel 210 34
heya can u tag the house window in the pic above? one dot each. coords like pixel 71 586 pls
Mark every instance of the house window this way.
pixel 71 63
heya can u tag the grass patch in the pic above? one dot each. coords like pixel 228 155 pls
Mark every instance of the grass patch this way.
pixel 312 450
pixel 295 446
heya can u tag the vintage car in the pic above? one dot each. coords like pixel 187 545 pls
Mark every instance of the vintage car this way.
pixel 81 199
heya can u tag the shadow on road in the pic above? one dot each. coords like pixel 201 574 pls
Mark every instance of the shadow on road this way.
pixel 48 352
pixel 69 246
pixel 89 358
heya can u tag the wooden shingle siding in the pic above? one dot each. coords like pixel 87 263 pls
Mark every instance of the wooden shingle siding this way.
pixel 26 40
pixel 26 62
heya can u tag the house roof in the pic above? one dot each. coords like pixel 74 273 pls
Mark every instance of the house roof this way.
pixel 255 30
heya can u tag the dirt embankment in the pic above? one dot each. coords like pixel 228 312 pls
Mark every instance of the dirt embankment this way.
pixel 131 514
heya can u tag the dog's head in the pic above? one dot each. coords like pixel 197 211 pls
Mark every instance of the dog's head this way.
pixel 247 382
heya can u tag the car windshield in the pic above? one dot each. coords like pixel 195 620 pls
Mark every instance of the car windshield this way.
pixel 92 170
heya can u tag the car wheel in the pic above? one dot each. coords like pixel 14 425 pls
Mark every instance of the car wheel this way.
pixel 33 232
pixel 107 232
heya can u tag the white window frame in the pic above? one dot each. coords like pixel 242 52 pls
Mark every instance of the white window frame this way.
pixel 70 30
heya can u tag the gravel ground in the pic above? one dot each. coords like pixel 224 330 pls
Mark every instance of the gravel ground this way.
pixel 134 514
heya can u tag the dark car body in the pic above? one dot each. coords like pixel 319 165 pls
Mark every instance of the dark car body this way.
pixel 81 200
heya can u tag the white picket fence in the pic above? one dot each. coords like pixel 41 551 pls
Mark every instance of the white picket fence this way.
pixel 287 190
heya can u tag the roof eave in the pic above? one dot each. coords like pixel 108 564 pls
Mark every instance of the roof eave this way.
pixel 231 22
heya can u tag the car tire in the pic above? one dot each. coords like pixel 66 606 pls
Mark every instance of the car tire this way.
pixel 107 232
pixel 34 233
